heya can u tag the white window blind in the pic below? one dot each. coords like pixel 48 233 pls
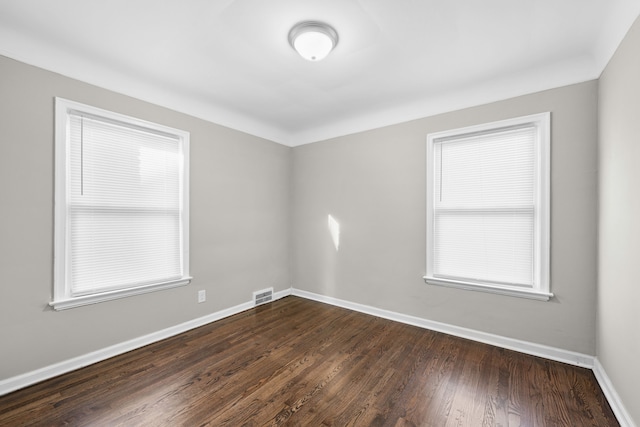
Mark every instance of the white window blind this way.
pixel 486 207
pixel 125 214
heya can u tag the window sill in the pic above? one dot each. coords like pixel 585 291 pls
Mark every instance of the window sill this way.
pixel 63 304
pixel 493 289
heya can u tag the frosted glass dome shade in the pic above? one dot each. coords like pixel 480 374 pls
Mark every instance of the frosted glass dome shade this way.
pixel 313 40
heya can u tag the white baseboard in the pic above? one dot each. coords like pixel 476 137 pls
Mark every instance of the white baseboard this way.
pixel 20 381
pixel 552 353
pixel 610 393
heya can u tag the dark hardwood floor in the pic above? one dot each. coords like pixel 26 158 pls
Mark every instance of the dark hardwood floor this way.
pixel 302 363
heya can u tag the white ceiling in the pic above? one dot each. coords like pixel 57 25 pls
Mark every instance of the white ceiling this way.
pixel 229 62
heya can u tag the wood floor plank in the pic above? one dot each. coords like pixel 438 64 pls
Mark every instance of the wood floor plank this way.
pixel 295 362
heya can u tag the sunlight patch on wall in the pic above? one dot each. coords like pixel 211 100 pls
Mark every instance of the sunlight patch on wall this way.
pixel 334 230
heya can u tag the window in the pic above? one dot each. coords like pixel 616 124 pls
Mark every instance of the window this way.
pixel 488 207
pixel 121 206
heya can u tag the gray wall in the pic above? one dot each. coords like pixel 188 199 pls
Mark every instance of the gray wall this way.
pixel 239 225
pixel 618 332
pixel 373 184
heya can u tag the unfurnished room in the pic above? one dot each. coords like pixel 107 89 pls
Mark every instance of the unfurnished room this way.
pixel 320 213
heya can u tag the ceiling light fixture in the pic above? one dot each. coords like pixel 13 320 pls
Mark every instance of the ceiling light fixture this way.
pixel 313 40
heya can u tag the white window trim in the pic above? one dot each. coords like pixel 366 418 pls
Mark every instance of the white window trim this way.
pixel 541 288
pixel 62 298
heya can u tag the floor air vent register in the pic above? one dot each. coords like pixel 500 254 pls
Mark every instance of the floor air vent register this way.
pixel 263 296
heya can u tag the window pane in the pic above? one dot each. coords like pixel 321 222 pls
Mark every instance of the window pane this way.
pixel 114 249
pixel 487 170
pixel 495 247
pixel 112 165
